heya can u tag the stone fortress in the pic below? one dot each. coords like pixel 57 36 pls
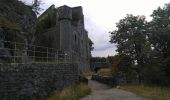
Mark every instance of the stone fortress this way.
pixel 67 33
pixel 60 29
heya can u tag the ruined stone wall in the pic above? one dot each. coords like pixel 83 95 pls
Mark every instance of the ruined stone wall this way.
pixel 28 81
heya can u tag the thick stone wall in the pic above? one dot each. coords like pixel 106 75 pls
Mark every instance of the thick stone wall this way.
pixel 28 81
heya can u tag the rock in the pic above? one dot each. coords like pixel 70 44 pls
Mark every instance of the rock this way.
pixel 17 24
pixel 4 53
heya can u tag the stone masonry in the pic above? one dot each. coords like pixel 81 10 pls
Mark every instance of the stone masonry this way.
pixel 69 34
pixel 31 81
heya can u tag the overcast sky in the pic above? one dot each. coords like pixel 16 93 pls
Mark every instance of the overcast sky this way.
pixel 101 17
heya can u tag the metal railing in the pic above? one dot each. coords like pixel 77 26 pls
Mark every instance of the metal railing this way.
pixel 15 52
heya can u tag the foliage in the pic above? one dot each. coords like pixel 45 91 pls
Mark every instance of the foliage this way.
pixel 42 26
pixel 11 13
pixel 72 93
pixel 8 23
pixel 91 44
pixel 114 60
pixel 47 22
pixel 122 67
pixel 149 92
pixel 159 37
pixel 131 40
pixel 144 47
pixel 7 1
pixel 7 6
pixel 36 6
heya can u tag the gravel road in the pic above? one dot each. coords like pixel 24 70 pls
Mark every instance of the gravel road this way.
pixel 104 92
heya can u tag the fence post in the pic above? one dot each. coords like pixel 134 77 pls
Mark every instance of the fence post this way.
pixel 65 57
pixel 54 57
pixel 34 53
pixel 57 56
pixel 15 52
pixel 47 54
pixel 70 56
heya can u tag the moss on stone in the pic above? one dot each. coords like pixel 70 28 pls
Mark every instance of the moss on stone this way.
pixel 9 24
pixel 47 21
pixel 16 6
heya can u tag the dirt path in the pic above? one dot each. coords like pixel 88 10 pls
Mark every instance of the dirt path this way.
pixel 103 92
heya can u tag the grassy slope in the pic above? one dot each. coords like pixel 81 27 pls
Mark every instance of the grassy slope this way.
pixel 72 93
pixel 150 92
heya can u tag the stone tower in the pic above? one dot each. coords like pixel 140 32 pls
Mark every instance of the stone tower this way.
pixel 64 18
pixel 68 34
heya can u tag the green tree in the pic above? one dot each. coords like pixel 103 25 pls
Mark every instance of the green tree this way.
pixel 160 39
pixel 131 40
pixel 160 30
pixel 145 46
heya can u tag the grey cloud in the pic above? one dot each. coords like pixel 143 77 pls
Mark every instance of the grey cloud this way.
pixel 100 37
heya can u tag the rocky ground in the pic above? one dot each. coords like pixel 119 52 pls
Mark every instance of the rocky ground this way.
pixel 104 92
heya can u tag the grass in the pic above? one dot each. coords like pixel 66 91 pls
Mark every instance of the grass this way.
pixel 9 24
pixel 105 72
pixel 72 93
pixel 149 92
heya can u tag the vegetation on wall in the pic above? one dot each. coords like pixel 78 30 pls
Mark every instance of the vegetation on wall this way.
pixel 8 23
pixel 17 23
pixel 48 21
pixel 14 5
pixel 11 12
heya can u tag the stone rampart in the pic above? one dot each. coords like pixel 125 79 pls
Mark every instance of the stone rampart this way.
pixel 30 81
